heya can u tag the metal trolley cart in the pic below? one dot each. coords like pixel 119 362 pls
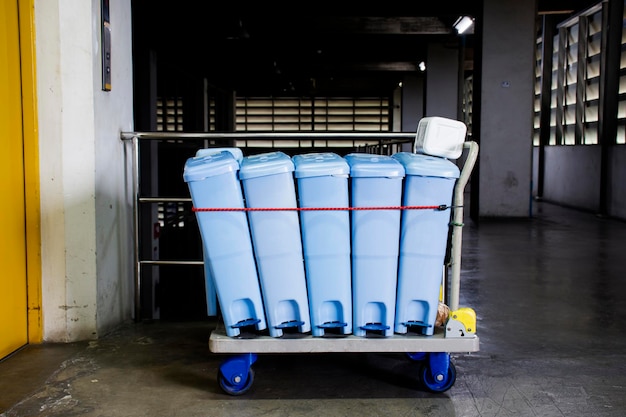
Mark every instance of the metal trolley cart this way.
pixel 437 372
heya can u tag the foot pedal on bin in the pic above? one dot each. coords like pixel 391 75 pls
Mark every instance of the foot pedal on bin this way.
pixel 245 323
pixel 332 325
pixel 289 324
pixel 375 329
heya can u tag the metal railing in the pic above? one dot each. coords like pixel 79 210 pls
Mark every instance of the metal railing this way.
pixel 382 143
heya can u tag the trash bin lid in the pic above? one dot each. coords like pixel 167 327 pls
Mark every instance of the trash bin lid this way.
pixel 237 153
pixel 426 165
pixel 263 164
pixel 369 165
pixel 320 164
pixel 199 168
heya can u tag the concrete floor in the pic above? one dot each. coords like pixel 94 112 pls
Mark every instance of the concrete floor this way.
pixel 549 293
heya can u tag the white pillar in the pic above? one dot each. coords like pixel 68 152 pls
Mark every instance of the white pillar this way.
pixel 86 285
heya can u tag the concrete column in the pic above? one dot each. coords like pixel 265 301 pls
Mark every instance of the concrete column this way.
pixel 442 91
pixel 506 108
pixel 412 102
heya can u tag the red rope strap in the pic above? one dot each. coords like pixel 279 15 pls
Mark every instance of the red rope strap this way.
pixel 441 207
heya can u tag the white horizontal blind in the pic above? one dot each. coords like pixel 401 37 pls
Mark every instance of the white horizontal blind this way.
pixel 258 114
pixel 169 114
pixel 621 113
pixel 468 102
pixel 569 86
pixel 575 81
pixel 537 94
pixel 592 79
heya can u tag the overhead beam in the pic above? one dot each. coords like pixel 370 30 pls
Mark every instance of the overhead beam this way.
pixel 386 25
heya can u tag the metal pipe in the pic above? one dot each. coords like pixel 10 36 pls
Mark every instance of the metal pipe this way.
pixel 135 188
pixel 164 200
pixel 158 262
pixel 267 135
pixel 457 223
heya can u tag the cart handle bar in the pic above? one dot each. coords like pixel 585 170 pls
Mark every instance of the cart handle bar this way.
pixel 439 208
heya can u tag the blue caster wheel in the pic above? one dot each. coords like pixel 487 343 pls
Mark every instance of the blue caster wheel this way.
pixel 236 385
pixel 439 381
pixel 235 375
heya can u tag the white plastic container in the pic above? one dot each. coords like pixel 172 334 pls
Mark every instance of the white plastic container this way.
pixel 429 181
pixel 213 184
pixel 268 183
pixel 439 136
pixel 376 181
pixel 322 180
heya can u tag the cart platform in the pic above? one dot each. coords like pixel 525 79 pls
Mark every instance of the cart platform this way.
pixel 437 372
pixel 219 342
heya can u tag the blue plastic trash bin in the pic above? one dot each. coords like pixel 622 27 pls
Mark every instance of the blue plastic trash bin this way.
pixel 211 292
pixel 429 181
pixel 213 183
pixel 322 180
pixel 376 181
pixel 268 183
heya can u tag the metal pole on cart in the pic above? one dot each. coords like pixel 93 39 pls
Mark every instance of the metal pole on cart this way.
pixel 457 223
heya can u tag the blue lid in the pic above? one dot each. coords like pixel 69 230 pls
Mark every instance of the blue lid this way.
pixel 320 164
pixel 427 166
pixel 263 164
pixel 199 168
pixel 369 165
pixel 237 153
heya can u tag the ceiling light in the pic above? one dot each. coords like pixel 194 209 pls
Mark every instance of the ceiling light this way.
pixel 422 66
pixel 463 23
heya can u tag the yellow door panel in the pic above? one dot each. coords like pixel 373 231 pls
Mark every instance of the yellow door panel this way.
pixel 13 278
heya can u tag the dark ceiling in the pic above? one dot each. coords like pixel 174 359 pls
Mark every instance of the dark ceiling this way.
pixel 302 54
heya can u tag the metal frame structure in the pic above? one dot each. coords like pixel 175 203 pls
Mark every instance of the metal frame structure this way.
pixel 378 142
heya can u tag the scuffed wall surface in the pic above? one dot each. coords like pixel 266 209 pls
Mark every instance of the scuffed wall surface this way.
pixel 114 114
pixel 572 176
pixel 86 259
